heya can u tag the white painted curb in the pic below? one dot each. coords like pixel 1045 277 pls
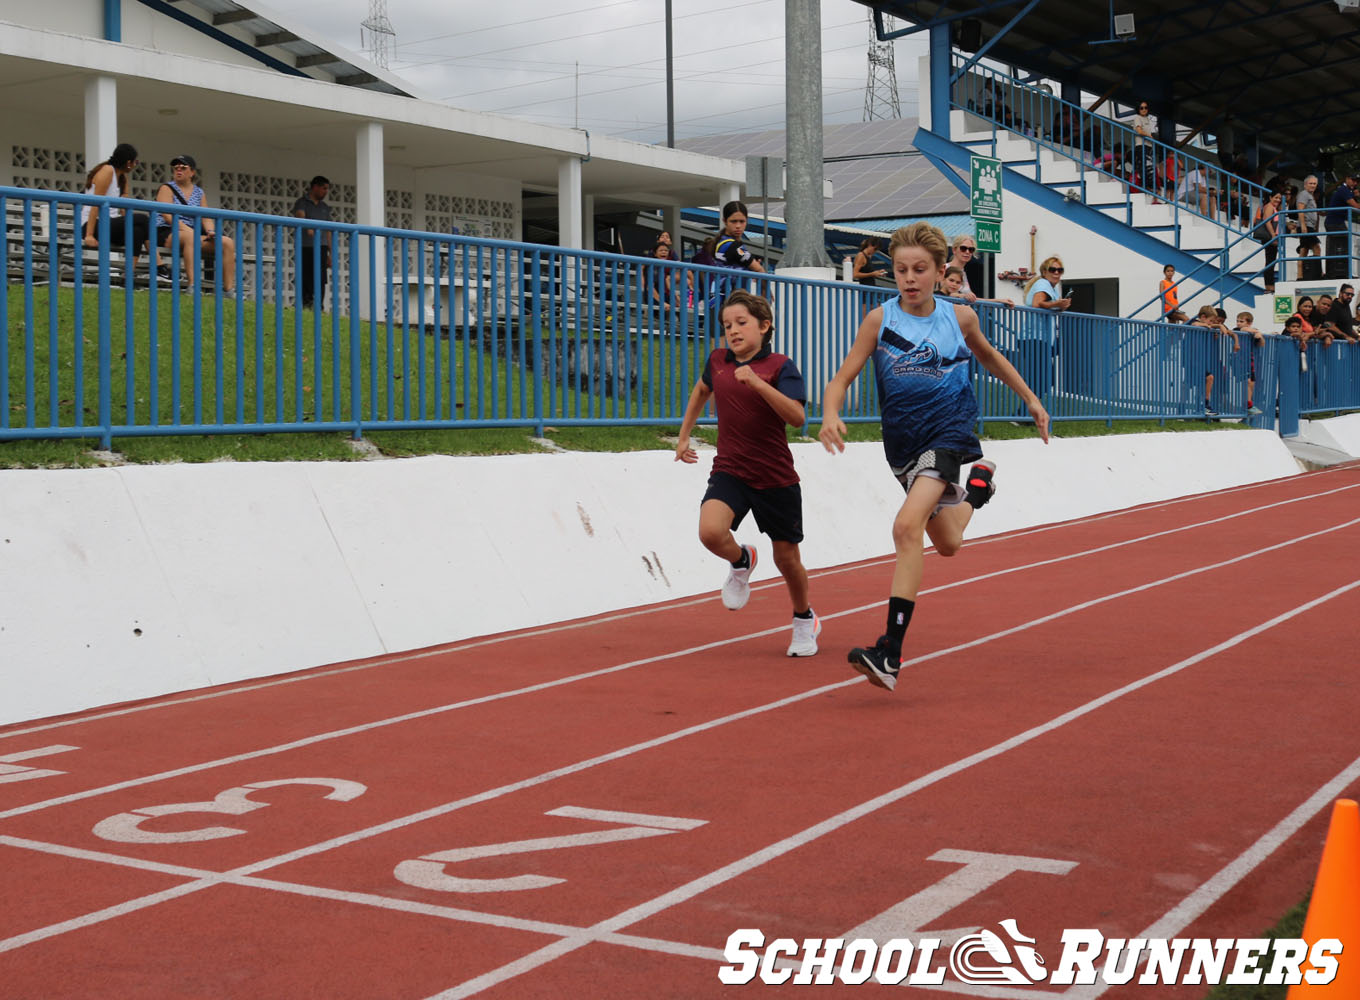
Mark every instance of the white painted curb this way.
pixel 124 583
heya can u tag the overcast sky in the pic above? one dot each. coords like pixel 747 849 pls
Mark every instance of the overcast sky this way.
pixel 601 66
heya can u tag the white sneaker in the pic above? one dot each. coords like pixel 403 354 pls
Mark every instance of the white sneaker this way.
pixel 805 632
pixel 737 590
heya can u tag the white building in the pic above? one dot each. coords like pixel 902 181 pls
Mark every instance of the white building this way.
pixel 262 109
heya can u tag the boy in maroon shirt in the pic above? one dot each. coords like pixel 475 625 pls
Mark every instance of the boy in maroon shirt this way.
pixel 756 392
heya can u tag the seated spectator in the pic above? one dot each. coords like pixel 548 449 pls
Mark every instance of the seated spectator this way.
pixel 1065 131
pixel 663 238
pixel 666 282
pixel 1194 190
pixel 182 189
pixel 111 178
pixel 1339 314
pixel 1176 316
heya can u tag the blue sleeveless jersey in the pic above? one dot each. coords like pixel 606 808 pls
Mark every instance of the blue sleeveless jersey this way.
pixel 924 389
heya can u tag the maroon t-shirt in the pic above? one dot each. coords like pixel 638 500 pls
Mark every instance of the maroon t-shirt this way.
pixel 752 444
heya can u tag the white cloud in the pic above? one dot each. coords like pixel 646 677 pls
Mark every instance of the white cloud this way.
pixel 601 65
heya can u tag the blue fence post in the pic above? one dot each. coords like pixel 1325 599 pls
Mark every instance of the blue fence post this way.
pixel 535 316
pixel 356 412
pixel 105 351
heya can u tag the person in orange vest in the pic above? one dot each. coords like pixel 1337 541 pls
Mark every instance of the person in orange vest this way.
pixel 1170 299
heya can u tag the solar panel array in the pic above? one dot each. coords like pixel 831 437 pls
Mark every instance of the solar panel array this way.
pixel 875 171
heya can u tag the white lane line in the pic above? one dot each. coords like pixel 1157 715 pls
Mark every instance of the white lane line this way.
pixel 1194 905
pixel 554 629
pixel 684 893
pixel 717 644
pixel 829 825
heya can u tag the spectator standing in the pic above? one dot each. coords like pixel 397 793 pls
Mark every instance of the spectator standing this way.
pixel 1209 319
pixel 1340 315
pixel 1304 311
pixel 1266 230
pixel 316 244
pixel 756 392
pixel 1144 156
pixel 1038 336
pixel 963 255
pixel 111 178
pixel 183 189
pixel 867 270
pixel 705 256
pixel 1338 218
pixel 1309 270
pixel 1245 329
pixel 729 252
pixel 1171 300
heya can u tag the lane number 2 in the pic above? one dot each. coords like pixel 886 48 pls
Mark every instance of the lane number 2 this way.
pixel 429 871
pixel 126 828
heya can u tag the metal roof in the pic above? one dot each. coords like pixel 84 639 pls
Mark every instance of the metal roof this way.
pixel 270 39
pixel 1283 70
pixel 875 171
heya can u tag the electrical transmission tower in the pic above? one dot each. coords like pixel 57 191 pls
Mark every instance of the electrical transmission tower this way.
pixel 376 34
pixel 880 93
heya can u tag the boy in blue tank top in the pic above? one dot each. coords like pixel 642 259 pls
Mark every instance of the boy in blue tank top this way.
pixel 921 347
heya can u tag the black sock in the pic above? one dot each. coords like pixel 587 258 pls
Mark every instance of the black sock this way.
pixel 745 560
pixel 805 615
pixel 899 617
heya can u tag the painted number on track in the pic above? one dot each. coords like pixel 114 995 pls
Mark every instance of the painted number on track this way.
pixel 429 871
pixel 126 828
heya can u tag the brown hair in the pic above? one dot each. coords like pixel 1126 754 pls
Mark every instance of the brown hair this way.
pixel 923 235
pixel 758 306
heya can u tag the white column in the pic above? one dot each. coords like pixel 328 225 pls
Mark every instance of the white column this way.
pixel 370 205
pixel 670 221
pixel 101 118
pixel 588 221
pixel 726 193
pixel 569 203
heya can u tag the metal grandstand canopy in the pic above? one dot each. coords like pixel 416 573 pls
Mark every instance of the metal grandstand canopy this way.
pixel 1283 71
pixel 274 42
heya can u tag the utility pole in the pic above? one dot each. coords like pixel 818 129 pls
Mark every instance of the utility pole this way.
pixel 805 213
pixel 670 84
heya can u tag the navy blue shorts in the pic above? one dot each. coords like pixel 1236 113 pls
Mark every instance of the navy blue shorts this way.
pixel 778 511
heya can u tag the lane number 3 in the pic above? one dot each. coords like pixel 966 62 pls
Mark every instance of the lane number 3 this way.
pixel 126 828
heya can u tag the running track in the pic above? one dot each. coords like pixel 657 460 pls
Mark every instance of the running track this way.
pixel 1149 712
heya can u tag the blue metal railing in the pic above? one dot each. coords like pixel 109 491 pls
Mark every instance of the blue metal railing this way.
pixel 422 330
pixel 1143 164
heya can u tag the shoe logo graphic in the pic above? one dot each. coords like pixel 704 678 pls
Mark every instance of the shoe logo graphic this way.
pixel 984 958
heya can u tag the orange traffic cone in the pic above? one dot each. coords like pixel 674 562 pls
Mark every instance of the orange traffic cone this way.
pixel 1334 911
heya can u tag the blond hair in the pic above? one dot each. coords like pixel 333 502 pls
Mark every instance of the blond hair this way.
pixel 923 235
pixel 1043 269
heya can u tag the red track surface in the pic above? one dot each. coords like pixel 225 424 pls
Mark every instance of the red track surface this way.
pixel 1158 703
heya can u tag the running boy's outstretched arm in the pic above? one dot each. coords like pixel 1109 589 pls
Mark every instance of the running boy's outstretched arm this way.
pixel 995 362
pixel 698 399
pixel 832 434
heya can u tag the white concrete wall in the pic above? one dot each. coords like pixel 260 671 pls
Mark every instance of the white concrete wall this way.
pixel 124 583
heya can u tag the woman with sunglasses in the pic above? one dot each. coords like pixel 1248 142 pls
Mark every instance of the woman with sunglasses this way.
pixel 1037 342
pixel 1144 158
pixel 962 253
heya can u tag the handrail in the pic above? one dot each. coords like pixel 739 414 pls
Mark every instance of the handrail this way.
pixel 1072 131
